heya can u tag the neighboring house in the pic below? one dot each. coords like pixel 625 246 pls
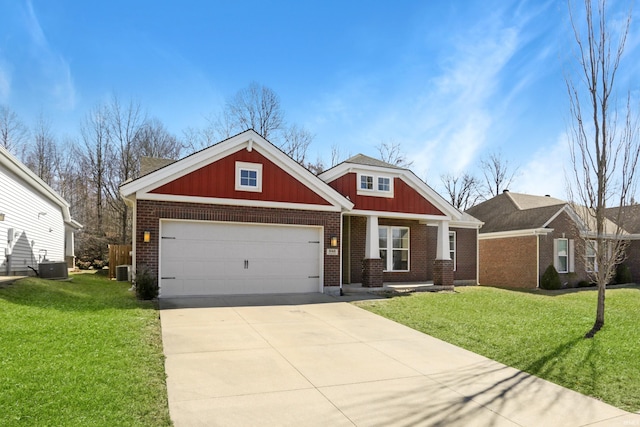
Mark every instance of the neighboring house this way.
pixel 523 234
pixel 242 217
pixel 630 221
pixel 35 223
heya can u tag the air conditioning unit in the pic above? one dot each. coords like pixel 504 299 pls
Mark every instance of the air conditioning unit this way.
pixel 123 273
pixel 53 270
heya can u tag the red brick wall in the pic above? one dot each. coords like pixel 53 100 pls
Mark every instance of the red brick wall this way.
pixel 466 250
pixel 422 244
pixel 150 212
pixel 509 262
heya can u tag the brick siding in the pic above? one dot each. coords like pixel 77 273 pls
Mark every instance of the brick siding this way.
pixel 509 262
pixel 149 213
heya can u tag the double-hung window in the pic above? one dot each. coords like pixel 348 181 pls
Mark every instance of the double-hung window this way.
pixel 394 248
pixel 562 255
pixel 590 256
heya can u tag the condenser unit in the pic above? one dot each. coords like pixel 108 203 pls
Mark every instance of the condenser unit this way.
pixel 53 270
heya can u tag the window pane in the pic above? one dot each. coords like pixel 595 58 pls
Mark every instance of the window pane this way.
pixel 400 260
pixel 383 256
pixel 563 245
pixel 383 184
pixel 248 178
pixel 400 238
pixel 562 264
pixel 366 182
pixel 382 237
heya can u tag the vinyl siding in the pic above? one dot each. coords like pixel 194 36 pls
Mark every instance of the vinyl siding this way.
pixel 35 236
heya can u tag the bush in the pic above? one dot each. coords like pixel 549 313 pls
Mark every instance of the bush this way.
pixel 146 285
pixel 623 274
pixel 550 279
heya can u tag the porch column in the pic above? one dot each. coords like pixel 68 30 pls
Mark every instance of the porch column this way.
pixel 443 264
pixel 372 264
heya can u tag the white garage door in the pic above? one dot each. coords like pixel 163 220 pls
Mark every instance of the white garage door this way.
pixel 205 258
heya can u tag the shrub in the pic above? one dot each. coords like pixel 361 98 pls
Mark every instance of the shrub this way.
pixel 623 274
pixel 550 279
pixel 146 285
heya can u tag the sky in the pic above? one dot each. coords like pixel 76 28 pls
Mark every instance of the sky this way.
pixel 450 81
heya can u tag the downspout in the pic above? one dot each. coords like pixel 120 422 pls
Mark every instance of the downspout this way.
pixel 538 261
pixel 477 257
pixel 341 248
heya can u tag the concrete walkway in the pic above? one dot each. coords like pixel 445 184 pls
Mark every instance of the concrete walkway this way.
pixel 307 360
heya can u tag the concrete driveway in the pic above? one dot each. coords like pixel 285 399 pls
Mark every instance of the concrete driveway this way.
pixel 305 360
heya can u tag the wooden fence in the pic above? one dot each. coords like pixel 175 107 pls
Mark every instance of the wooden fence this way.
pixel 118 255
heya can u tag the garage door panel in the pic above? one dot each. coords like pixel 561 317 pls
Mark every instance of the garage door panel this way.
pixel 204 258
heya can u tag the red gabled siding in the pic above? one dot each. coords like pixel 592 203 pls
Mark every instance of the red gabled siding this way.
pixel 217 180
pixel 405 200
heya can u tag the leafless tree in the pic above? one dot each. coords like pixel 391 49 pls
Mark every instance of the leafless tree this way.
pixel 13 132
pixel 604 144
pixel 391 152
pixel 295 142
pixel 95 154
pixel 498 174
pixel 41 156
pixel 154 140
pixel 462 190
pixel 255 107
pixel 336 154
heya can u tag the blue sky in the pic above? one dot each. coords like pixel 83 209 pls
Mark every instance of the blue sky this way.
pixel 451 81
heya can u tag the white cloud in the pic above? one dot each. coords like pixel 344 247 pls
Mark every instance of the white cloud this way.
pixel 57 79
pixel 545 172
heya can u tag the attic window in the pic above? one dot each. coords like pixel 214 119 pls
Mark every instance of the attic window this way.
pixel 384 183
pixel 248 176
pixel 366 182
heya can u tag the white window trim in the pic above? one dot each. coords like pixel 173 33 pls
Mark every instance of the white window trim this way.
pixel 453 253
pixel 374 191
pixel 390 249
pixel 256 167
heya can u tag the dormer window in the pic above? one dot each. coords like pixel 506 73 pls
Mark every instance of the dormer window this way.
pixel 384 184
pixel 374 185
pixel 248 176
pixel 366 182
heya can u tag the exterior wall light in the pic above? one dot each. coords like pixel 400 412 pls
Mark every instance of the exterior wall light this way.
pixel 146 236
pixel 1 217
pixel 334 241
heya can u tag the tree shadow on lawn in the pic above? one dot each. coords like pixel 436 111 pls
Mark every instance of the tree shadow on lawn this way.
pixel 485 394
pixel 73 295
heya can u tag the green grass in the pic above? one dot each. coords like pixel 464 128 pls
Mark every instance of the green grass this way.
pixel 538 332
pixel 84 352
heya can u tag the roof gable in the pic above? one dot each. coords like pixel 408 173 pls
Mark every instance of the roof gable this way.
pixel 11 163
pixel 208 176
pixel 411 194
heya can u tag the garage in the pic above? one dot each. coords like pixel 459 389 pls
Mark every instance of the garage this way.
pixel 199 258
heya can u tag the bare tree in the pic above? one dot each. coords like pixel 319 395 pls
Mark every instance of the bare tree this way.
pixel 154 140
pixel 95 154
pixel 462 190
pixel 41 156
pixel 255 107
pixel 13 132
pixel 604 147
pixel 296 141
pixel 497 173
pixel 391 152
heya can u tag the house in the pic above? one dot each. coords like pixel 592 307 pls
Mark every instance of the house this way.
pixel 523 234
pixel 630 221
pixel 242 217
pixel 35 222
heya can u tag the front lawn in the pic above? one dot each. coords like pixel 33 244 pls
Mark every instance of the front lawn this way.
pixel 539 333
pixel 84 352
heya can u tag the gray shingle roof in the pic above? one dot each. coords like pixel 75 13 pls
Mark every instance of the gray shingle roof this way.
pixel 630 217
pixel 361 159
pixel 513 211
